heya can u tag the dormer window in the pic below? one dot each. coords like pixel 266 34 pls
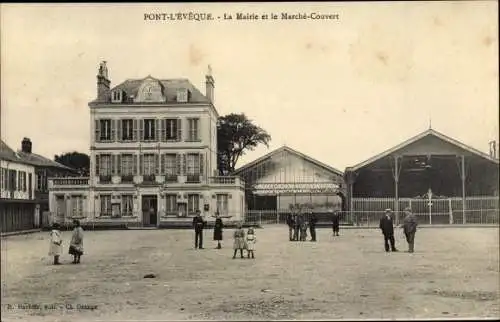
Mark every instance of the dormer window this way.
pixel 183 95
pixel 116 96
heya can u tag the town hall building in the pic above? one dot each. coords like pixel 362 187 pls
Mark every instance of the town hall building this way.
pixel 153 158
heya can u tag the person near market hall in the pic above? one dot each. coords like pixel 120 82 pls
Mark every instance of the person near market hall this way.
pixel 410 228
pixel 387 227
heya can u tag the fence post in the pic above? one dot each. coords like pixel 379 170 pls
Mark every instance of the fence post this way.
pixel 450 211
pixel 260 218
pixel 277 217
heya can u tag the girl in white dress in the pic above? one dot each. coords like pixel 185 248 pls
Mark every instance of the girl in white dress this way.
pixel 250 241
pixel 55 248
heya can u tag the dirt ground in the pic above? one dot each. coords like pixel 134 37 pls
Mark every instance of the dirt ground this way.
pixel 453 273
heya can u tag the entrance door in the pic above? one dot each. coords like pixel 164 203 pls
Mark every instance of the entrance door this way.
pixel 182 207
pixel 149 210
pixel 60 210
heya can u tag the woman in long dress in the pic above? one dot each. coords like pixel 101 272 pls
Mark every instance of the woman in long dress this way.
pixel 218 230
pixel 55 248
pixel 239 241
pixel 76 245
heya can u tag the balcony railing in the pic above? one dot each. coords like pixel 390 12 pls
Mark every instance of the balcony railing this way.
pixel 224 180
pixel 70 181
pixel 193 178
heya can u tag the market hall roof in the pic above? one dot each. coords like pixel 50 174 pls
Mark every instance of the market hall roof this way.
pixel 292 151
pixel 428 134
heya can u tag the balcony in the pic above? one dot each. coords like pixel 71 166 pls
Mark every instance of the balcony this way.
pixel 68 182
pixel 193 178
pixel 226 181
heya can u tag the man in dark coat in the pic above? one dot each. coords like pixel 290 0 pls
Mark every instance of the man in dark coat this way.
pixel 336 223
pixel 198 225
pixel 290 222
pixel 218 230
pixel 410 228
pixel 387 228
pixel 312 225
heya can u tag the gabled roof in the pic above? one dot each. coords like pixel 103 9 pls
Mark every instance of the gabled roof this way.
pixel 6 153
pixel 429 132
pixel 292 151
pixel 41 161
pixel 170 86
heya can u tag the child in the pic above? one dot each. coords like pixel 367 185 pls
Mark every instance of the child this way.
pixel 251 240
pixel 239 241
pixel 76 245
pixel 55 248
pixel 303 231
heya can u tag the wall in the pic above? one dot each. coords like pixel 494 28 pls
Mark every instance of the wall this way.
pixel 18 194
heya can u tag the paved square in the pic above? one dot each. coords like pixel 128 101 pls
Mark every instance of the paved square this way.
pixel 453 273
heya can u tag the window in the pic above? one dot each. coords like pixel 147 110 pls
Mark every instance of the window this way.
pixel 127 205
pixel 182 95
pixel 105 165
pixel 193 203
pixel 171 205
pixel 22 181
pixel 77 206
pixel 222 201
pixel 171 129
pixel 106 205
pixel 105 130
pixel 117 96
pixel 4 180
pixel 193 167
pixel 127 166
pixel 149 165
pixel 170 167
pixel 193 129
pixel 13 180
pixel 149 129
pixel 127 130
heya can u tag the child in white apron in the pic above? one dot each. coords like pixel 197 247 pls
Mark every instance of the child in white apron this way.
pixel 250 241
pixel 55 248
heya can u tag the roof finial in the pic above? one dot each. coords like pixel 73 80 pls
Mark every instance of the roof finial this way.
pixel 209 72
pixel 430 122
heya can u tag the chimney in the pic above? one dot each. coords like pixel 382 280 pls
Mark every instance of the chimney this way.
pixel 209 85
pixel 493 149
pixel 26 145
pixel 103 83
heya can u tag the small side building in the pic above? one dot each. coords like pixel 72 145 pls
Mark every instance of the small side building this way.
pixel 18 204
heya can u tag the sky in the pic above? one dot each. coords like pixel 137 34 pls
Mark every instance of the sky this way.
pixel 340 91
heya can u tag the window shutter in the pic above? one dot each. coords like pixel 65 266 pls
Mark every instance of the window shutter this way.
pixel 157 164
pixel 118 164
pixel 119 126
pixel 201 164
pixel 113 130
pixel 183 163
pixel 163 136
pixel 97 164
pixel 135 157
pixel 141 130
pixel 179 129
pixel 162 164
pixel 141 164
pixel 158 130
pixel 135 137
pixel 178 162
pixel 97 131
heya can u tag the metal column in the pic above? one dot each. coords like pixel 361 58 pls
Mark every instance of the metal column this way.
pixel 464 220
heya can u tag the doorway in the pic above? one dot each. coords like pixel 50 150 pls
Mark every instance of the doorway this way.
pixel 149 210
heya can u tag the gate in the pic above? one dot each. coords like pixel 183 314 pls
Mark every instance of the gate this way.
pixel 432 211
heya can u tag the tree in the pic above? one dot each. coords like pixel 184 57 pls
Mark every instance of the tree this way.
pixel 75 160
pixel 236 134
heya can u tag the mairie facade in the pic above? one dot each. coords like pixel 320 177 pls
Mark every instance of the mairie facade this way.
pixel 153 158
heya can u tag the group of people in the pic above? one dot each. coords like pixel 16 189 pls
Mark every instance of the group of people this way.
pixel 298 224
pixel 241 242
pixel 75 246
pixel 409 228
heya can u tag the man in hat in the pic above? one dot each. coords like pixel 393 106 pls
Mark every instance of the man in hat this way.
pixel 312 225
pixel 387 228
pixel 290 221
pixel 410 228
pixel 198 225
pixel 336 223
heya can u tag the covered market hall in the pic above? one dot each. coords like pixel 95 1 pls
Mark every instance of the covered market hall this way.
pixel 441 179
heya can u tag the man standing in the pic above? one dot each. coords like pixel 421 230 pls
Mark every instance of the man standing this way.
pixel 410 228
pixel 335 223
pixel 296 226
pixel 312 225
pixel 387 228
pixel 290 222
pixel 198 225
